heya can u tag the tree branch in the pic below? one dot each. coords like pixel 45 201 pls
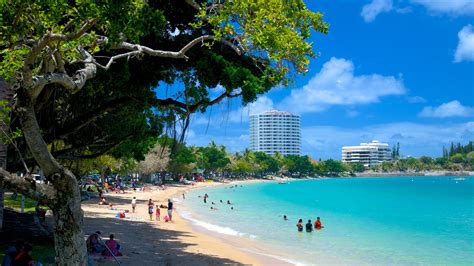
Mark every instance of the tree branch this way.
pixel 140 50
pixel 73 84
pixel 27 186
pixel 45 41
pixel 193 4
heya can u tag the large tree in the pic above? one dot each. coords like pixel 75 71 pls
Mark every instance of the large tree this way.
pixel 84 74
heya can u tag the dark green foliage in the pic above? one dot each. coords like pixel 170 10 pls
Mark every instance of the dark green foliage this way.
pixel 213 157
pixel 267 163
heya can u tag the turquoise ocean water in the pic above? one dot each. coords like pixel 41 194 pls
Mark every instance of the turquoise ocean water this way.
pixel 405 220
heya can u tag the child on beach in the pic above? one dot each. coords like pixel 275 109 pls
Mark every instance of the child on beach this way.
pixel 157 213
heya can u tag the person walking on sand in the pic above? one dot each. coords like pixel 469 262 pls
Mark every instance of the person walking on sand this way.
pixel 134 204
pixel 184 196
pixel 158 213
pixel 170 209
pixel 299 225
pixel 309 227
pixel 318 225
pixel 150 209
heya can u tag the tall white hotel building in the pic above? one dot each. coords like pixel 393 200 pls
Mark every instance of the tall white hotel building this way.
pixel 275 131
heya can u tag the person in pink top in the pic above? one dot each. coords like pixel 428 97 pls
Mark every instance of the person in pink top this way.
pixel 112 246
pixel 158 213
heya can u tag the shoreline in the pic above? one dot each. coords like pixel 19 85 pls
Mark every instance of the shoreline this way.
pixel 154 242
pixel 182 241
pixel 259 250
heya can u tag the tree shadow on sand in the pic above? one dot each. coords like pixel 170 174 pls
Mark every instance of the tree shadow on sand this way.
pixel 143 244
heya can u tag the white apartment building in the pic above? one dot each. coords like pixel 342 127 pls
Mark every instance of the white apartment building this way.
pixel 368 154
pixel 275 131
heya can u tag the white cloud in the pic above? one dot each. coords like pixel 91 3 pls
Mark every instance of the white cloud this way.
pixel 465 49
pixel 336 84
pixel 372 10
pixel 352 113
pixel 453 7
pixel 416 99
pixel 449 109
pixel 415 139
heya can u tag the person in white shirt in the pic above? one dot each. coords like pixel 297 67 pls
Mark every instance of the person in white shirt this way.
pixel 134 204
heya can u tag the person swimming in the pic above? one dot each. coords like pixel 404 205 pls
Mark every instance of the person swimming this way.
pixel 299 225
pixel 285 218
pixel 228 202
pixel 309 227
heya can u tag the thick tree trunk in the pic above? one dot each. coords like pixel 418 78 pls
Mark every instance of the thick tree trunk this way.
pixel 68 217
pixel 65 197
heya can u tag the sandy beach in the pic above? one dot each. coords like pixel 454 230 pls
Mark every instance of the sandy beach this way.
pixel 146 242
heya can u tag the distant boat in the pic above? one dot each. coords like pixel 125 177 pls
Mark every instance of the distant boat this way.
pixel 459 178
pixel 282 182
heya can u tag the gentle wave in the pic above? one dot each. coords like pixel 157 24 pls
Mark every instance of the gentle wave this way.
pixel 296 263
pixel 231 232
pixel 214 228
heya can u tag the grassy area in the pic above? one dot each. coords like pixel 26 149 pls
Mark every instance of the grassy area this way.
pixel 15 204
pixel 41 253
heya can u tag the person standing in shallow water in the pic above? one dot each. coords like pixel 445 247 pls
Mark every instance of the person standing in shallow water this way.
pixel 318 225
pixel 309 227
pixel 299 225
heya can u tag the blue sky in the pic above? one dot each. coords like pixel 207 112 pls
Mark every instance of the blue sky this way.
pixel 396 71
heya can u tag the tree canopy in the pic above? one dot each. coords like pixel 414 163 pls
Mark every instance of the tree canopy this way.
pixel 85 73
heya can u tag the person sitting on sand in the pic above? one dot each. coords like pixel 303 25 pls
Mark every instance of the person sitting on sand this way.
pixel 150 209
pixel 299 225
pixel 11 253
pixel 112 246
pixel 103 201
pixel 309 227
pixel 93 243
pixel 317 224
pixel 24 256
pixel 40 212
